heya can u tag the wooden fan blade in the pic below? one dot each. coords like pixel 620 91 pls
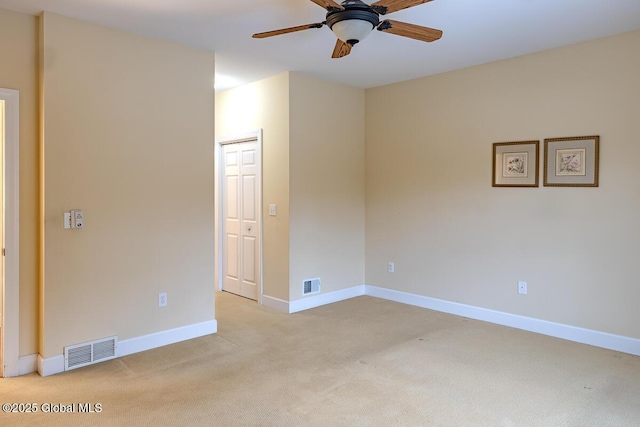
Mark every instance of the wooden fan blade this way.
pixel 412 31
pixel 341 49
pixel 330 5
pixel 387 6
pixel 287 30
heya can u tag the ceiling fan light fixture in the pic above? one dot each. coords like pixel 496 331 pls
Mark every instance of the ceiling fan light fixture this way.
pixel 354 23
pixel 352 30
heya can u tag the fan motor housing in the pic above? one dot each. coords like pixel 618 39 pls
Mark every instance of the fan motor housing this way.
pixel 353 9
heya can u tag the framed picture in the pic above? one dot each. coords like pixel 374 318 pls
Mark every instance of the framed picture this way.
pixel 516 164
pixel 571 162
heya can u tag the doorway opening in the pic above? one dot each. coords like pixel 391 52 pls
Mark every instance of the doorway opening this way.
pixel 9 265
pixel 239 215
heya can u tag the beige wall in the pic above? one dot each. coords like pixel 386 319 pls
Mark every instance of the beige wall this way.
pixel 314 176
pixel 265 105
pixel 19 70
pixel 327 184
pixel 133 149
pixel 128 138
pixel 432 210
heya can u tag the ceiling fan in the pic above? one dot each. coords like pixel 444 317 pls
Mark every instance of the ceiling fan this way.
pixel 353 20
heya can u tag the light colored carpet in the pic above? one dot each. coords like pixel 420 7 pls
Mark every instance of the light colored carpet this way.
pixel 360 362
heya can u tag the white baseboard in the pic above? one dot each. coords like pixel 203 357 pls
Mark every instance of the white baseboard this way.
pixel 312 301
pixel 171 336
pixel 50 365
pixel 275 303
pixel 558 330
pixel 28 364
pixel 55 365
pixel 323 299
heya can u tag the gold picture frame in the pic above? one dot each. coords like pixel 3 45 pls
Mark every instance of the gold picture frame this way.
pixel 516 164
pixel 571 162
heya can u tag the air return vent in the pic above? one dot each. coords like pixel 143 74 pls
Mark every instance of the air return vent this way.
pixel 311 286
pixel 79 355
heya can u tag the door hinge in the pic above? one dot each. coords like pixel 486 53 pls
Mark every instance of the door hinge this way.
pixel 3 251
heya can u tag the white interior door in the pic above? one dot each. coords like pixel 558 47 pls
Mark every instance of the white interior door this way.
pixel 241 219
pixel 9 178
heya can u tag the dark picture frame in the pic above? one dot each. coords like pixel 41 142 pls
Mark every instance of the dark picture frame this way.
pixel 572 162
pixel 516 164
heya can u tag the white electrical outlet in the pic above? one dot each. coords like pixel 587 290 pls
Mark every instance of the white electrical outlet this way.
pixel 162 299
pixel 522 288
pixel 391 267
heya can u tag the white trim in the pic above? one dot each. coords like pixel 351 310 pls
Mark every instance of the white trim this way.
pixel 558 330
pixel 55 365
pixel 28 364
pixel 328 298
pixel 171 336
pixel 254 135
pixel 51 365
pixel 313 301
pixel 217 218
pixel 11 314
pixel 275 303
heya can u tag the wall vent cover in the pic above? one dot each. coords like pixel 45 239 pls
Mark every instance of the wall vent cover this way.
pixel 311 286
pixel 79 355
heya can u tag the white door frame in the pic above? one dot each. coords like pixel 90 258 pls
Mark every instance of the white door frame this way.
pixel 252 136
pixel 10 339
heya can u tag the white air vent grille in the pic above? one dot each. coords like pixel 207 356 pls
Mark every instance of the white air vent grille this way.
pixel 79 355
pixel 311 286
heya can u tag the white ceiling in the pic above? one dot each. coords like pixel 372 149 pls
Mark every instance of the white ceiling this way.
pixel 475 32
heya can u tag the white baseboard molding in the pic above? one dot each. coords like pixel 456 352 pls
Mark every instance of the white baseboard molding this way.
pixel 324 299
pixel 275 303
pixel 312 301
pixel 50 365
pixel 171 336
pixel 28 364
pixel 558 330
pixel 55 365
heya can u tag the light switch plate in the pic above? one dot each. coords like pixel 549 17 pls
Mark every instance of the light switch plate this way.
pixel 273 210
pixel 77 218
pixel 162 299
